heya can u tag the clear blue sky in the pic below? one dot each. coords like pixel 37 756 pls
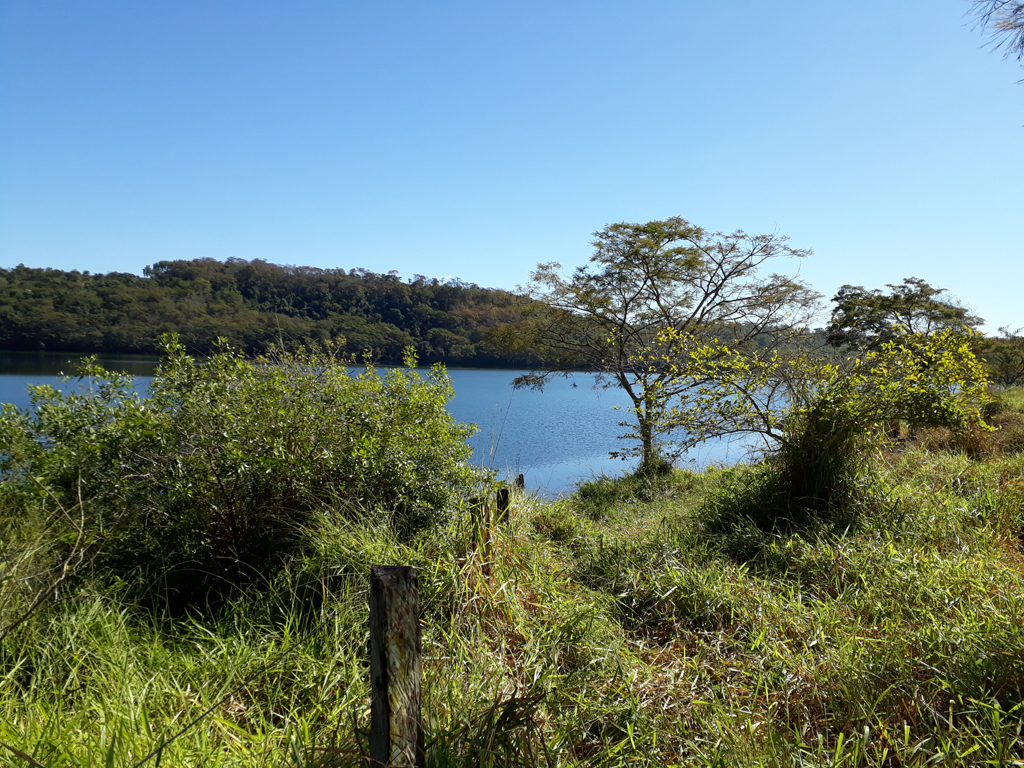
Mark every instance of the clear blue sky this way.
pixel 476 139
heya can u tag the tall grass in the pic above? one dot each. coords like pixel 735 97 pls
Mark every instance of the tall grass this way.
pixel 641 623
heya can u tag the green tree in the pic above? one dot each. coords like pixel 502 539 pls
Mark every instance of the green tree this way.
pixel 643 279
pixel 865 319
pixel 1005 357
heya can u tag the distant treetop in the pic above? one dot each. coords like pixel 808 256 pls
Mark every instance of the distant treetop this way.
pixel 866 319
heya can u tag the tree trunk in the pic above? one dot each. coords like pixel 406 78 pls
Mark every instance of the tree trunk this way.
pixel 648 455
pixel 643 407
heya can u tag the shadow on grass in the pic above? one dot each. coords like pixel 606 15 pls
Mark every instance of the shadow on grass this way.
pixel 745 519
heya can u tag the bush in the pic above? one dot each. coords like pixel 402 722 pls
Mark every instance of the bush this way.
pixel 205 482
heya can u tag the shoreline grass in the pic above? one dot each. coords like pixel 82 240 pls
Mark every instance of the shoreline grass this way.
pixel 627 625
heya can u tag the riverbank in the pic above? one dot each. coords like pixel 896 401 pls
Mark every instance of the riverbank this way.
pixel 610 628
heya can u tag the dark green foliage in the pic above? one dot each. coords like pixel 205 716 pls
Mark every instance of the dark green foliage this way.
pixel 1004 356
pixel 745 519
pixel 255 306
pixel 866 319
pixel 820 463
pixel 204 483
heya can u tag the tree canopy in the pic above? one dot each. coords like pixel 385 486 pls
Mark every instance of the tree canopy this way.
pixel 926 379
pixel 643 279
pixel 864 319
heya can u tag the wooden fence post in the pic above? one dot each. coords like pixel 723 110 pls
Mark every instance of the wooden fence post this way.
pixel 521 482
pixel 396 731
pixel 503 502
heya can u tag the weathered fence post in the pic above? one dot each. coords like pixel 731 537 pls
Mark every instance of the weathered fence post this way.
pixel 396 732
pixel 521 482
pixel 502 504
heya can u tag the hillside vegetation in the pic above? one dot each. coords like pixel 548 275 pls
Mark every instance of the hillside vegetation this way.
pixel 655 621
pixel 255 305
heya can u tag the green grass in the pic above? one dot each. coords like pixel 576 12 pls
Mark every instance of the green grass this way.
pixel 1013 397
pixel 641 623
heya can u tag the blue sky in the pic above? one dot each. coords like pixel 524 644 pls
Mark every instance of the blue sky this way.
pixel 476 139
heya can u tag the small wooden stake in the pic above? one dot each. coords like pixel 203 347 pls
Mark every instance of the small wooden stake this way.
pixel 521 482
pixel 396 732
pixel 503 502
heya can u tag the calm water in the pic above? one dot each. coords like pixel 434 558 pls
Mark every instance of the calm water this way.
pixel 555 438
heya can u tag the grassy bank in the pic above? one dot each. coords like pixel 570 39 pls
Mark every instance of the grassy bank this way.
pixel 636 623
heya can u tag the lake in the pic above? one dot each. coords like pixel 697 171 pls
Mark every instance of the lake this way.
pixel 556 438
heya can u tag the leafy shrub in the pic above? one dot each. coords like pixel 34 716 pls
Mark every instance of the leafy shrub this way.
pixel 205 481
pixel 929 380
pixel 821 416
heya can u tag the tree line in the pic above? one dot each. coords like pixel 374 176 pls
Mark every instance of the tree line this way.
pixel 257 306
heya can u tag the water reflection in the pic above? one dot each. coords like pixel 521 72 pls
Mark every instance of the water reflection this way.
pixel 36 364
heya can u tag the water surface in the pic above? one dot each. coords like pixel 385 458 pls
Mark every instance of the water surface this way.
pixel 556 438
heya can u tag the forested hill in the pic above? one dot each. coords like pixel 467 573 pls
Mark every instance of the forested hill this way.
pixel 254 305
